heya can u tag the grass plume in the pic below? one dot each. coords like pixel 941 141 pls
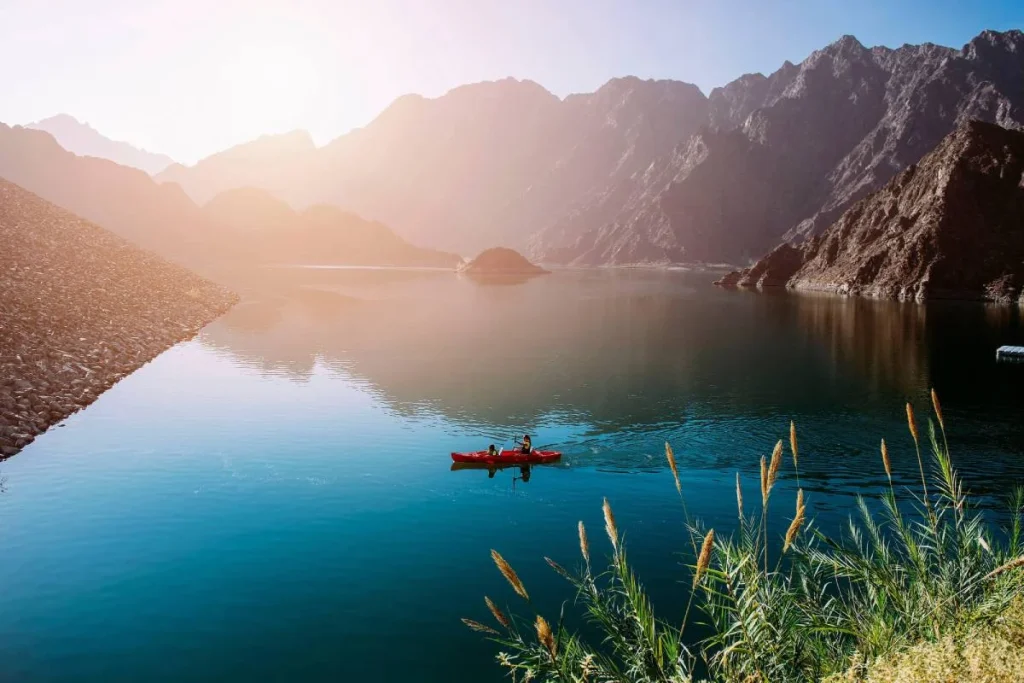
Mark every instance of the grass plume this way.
pixel 609 524
pixel 584 543
pixel 510 575
pixel 499 616
pixel 893 592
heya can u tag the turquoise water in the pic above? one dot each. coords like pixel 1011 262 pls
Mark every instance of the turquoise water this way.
pixel 273 500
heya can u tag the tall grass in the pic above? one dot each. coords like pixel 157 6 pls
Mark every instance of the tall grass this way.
pixel 925 571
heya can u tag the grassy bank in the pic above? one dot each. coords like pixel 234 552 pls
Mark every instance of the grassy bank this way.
pixel 923 590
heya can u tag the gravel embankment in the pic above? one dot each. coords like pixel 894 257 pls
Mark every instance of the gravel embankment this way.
pixel 80 308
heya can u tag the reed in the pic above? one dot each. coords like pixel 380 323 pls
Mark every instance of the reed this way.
pixel 545 637
pixel 885 462
pixel 773 467
pixel 510 575
pixel 704 559
pixel 793 449
pixel 887 584
pixel 938 409
pixel 739 497
pixel 764 482
pixel 912 424
pixel 671 457
pixel 584 543
pixel 609 524
pixel 798 521
pixel 499 616
pixel 480 628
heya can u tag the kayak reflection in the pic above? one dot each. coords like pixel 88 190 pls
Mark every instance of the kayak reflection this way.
pixel 491 469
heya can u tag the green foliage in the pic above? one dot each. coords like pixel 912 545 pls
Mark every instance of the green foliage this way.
pixel 848 608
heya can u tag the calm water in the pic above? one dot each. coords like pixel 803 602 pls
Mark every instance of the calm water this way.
pixel 273 500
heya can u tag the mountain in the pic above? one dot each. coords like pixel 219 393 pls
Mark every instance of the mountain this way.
pixel 80 308
pixel 267 163
pixel 485 163
pixel 949 226
pixel 124 200
pixel 84 140
pixel 264 229
pixel 642 171
pixel 783 156
pixel 233 230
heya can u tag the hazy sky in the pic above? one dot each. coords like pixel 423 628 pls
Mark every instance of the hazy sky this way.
pixel 190 77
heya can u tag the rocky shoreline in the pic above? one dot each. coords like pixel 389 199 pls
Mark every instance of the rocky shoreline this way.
pixel 81 308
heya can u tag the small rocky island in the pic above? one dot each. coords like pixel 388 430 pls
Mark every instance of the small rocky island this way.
pixel 80 308
pixel 950 226
pixel 501 262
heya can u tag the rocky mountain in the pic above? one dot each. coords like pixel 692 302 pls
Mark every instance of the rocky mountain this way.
pixel 642 171
pixel 124 200
pixel 951 225
pixel 266 163
pixel 784 156
pixel 80 308
pixel 267 230
pixel 483 164
pixel 235 229
pixel 84 140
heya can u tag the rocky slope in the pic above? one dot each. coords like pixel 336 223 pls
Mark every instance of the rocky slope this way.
pixel 163 219
pixel 808 141
pixel 80 308
pixel 949 226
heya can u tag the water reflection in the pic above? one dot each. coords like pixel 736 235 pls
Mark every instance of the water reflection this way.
pixel 615 363
pixel 523 471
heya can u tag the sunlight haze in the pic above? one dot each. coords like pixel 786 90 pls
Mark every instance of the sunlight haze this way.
pixel 190 78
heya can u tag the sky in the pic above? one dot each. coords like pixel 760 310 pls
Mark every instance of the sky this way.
pixel 191 77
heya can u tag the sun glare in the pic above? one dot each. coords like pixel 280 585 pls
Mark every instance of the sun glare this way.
pixel 269 86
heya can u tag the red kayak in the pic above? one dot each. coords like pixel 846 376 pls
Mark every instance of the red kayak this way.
pixel 508 457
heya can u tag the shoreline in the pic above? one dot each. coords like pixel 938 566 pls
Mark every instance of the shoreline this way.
pixel 80 309
pixel 44 394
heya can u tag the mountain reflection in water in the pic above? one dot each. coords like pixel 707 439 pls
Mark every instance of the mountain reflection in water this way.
pixel 617 362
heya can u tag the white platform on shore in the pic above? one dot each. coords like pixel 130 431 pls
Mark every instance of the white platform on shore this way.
pixel 1010 353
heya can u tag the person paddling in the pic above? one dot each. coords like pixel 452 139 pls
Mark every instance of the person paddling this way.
pixel 526 445
pixel 492 451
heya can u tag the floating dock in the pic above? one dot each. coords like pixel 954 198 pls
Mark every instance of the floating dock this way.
pixel 1010 353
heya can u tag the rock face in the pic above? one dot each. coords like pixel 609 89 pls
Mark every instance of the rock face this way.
pixel 784 156
pixel 951 226
pixel 499 261
pixel 84 140
pixel 244 227
pixel 80 308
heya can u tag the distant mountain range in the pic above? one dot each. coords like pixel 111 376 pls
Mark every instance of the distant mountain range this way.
pixel 641 172
pixel 242 227
pixel 84 140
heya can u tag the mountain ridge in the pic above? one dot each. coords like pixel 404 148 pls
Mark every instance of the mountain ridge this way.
pixel 645 171
pixel 164 220
pixel 84 140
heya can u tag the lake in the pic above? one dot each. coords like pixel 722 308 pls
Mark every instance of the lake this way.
pixel 274 501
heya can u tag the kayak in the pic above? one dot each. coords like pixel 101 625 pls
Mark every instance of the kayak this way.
pixel 507 457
